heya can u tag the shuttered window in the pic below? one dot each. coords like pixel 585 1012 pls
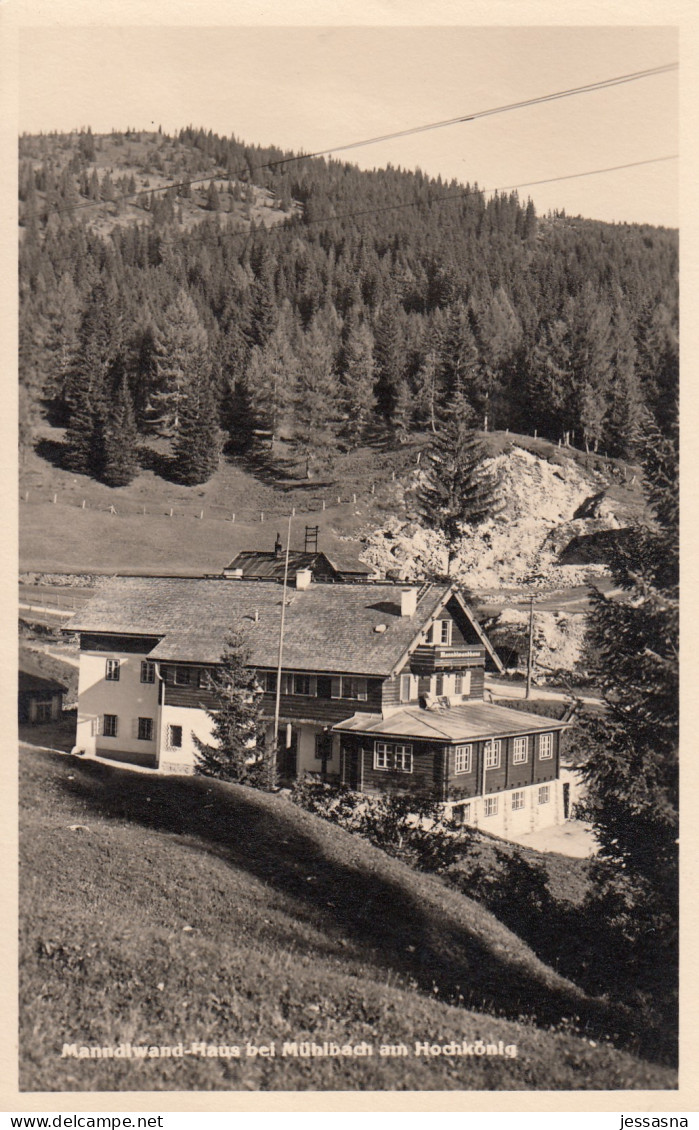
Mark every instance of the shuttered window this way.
pixel 147 671
pixel 111 673
pixel 517 800
pixel 490 807
pixel 492 755
pixel 349 686
pixel 174 737
pixel 145 730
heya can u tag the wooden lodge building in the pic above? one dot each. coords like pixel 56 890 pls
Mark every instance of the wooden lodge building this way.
pixel 381 689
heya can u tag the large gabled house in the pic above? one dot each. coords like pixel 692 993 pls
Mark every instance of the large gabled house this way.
pixel 381 689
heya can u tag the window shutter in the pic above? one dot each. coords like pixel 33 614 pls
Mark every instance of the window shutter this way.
pixel 96 727
pixel 336 687
pixel 134 727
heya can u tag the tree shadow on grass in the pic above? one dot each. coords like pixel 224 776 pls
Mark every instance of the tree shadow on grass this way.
pixel 53 451
pixel 448 947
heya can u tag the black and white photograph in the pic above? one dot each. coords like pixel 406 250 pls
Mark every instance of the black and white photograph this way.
pixel 348 445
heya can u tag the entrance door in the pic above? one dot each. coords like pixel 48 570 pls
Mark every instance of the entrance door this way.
pixel 287 755
pixel 353 771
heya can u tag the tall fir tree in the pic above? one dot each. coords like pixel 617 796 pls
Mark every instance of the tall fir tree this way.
pixel 120 459
pixel 181 350
pixel 237 751
pixel 459 490
pixel 197 446
pixel 357 384
pixel 630 751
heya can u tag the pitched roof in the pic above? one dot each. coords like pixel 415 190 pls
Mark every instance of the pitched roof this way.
pixel 327 627
pixel 31 678
pixel 266 565
pixel 470 722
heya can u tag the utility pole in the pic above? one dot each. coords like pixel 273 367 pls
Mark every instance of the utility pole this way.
pixel 531 647
pixel 273 762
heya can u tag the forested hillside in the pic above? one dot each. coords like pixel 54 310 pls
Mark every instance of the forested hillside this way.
pixel 304 298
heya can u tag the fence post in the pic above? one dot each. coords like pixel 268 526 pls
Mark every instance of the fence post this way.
pixel 55 497
pixel 232 517
pixel 171 511
pixel 354 498
pixel 393 476
pixel 83 505
pixel 201 516
pixel 339 500
pixel 373 488
pixel 262 515
pixel 26 496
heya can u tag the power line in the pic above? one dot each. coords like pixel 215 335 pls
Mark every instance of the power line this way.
pixel 602 84
pixel 474 191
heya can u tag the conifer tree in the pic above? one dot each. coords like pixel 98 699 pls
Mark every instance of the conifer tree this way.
pixel 181 349
pixel 120 459
pixel 197 445
pixel 237 752
pixel 630 751
pixel 458 490
pixel 357 383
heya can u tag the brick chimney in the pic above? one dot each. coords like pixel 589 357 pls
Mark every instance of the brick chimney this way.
pixel 408 602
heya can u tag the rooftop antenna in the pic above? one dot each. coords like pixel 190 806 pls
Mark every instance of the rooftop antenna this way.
pixel 273 761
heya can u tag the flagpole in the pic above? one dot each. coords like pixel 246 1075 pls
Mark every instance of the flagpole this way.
pixel 277 702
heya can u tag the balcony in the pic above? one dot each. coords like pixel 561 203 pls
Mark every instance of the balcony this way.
pixel 429 658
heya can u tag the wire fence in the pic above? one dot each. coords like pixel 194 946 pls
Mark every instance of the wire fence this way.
pixel 311 504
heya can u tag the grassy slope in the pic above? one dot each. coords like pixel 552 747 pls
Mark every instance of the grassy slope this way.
pixel 299 930
pixel 64 537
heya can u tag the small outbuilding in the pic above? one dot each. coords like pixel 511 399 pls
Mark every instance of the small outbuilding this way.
pixel 40 698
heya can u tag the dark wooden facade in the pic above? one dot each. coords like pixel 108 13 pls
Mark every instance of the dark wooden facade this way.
pixel 434 767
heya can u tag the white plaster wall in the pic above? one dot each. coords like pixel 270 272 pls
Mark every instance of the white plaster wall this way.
pixel 306 761
pixel 128 698
pixel 192 721
pixel 513 822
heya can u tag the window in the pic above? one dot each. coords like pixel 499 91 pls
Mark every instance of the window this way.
pixel 545 747
pixel 461 813
pixel 43 709
pixel 174 737
pixel 458 684
pixel 324 746
pixel 519 751
pixel 269 681
pixel 348 686
pixel 518 800
pixel 354 688
pixel 445 632
pixel 302 684
pixel 406 684
pixel 393 755
pixel 439 685
pixel 145 729
pixel 463 758
pixel 112 671
pixel 147 671
pixel 544 794
pixel 110 725
pixel 490 807
pixel 183 676
pixel 492 755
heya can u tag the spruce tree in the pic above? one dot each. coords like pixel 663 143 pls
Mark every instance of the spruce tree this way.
pixel 237 752
pixel 630 752
pixel 458 490
pixel 357 384
pixel 197 445
pixel 181 347
pixel 120 463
